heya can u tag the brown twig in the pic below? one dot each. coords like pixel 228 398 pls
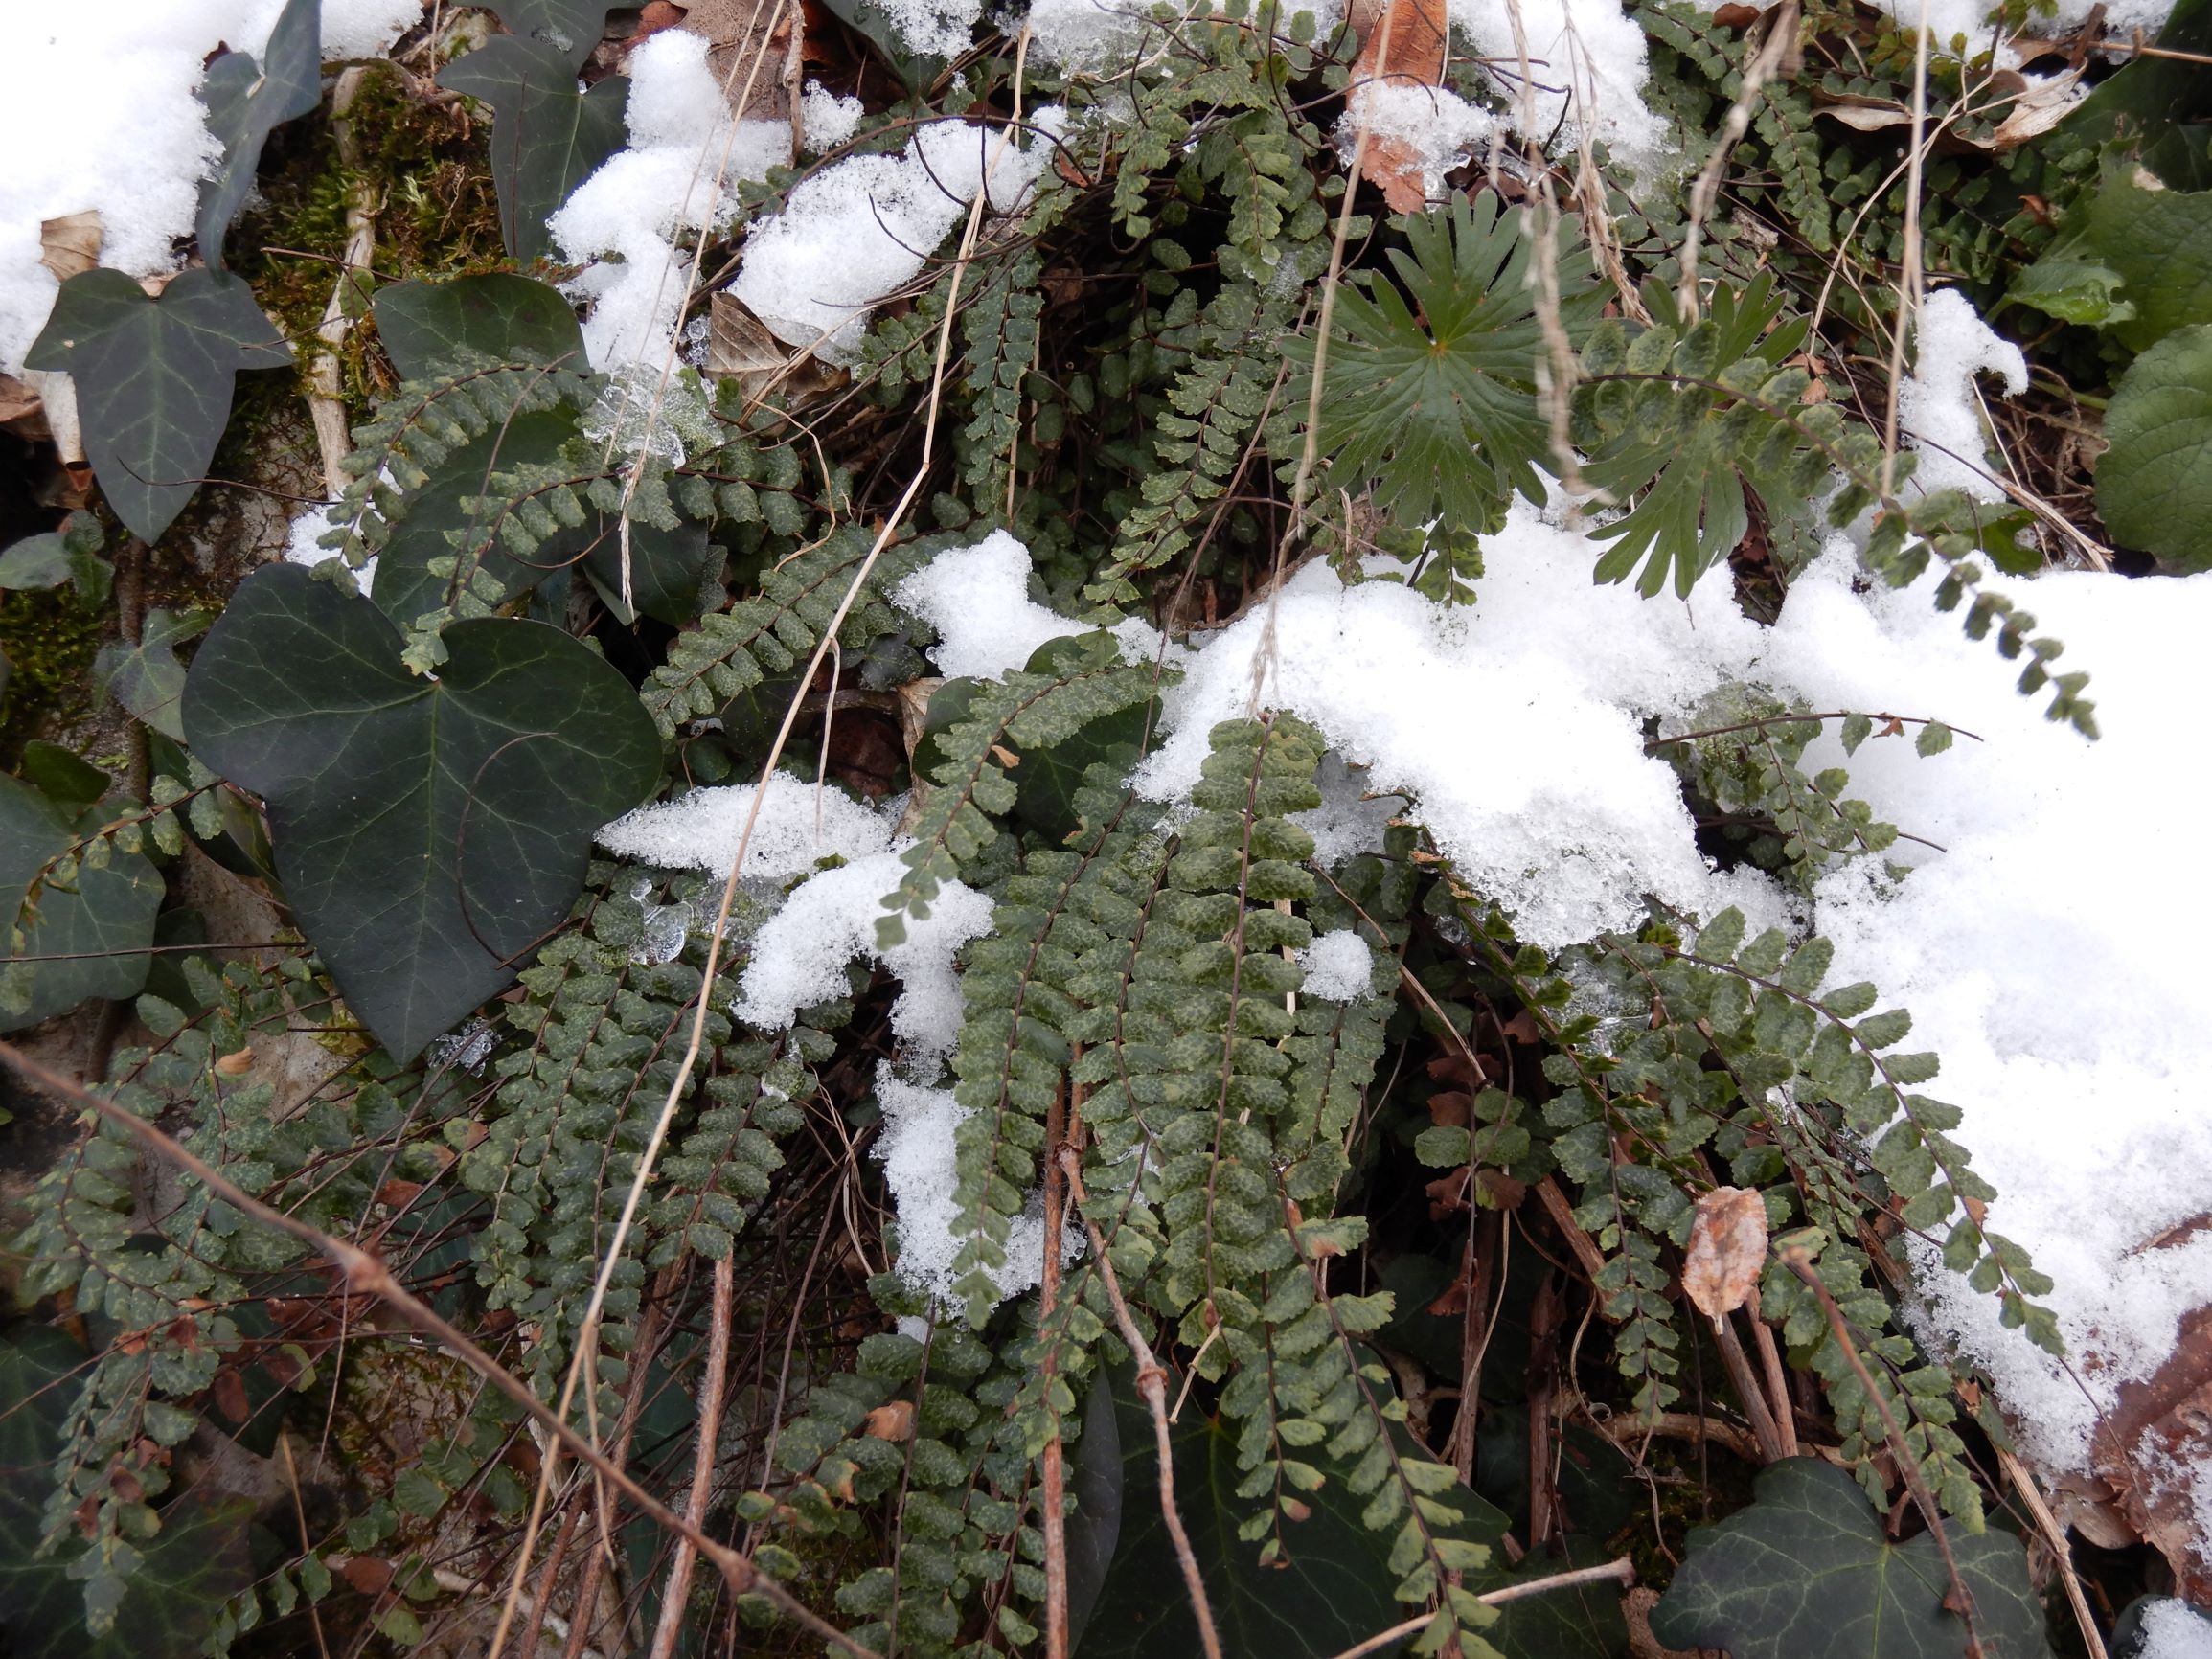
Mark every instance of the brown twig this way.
pixel 1153 1384
pixel 1777 1383
pixel 1960 1600
pixel 1622 1572
pixel 1748 1393
pixel 365 1275
pixel 713 1390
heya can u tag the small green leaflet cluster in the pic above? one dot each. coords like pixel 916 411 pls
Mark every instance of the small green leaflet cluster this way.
pixel 169 1284
pixel 603 1035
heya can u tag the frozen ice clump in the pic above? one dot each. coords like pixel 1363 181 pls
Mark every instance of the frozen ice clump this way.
pixel 1339 967
pixel 1938 406
pixel 800 953
pixel 623 222
pixel 977 599
pixel 1347 822
pixel 365 28
pixel 799 824
pixel 859 231
pixel 1432 128
pixel 1517 729
pixel 921 1167
pixel 1588 65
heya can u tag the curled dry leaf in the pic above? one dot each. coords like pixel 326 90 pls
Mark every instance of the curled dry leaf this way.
pixel 892 1421
pixel 235 1065
pixel 71 243
pixel 1727 1250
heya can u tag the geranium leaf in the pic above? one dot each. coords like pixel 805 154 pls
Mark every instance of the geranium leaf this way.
pixel 428 831
pixel 154 378
pixel 246 100
pixel 546 134
pixel 510 318
pixel 1805 1572
pixel 2154 483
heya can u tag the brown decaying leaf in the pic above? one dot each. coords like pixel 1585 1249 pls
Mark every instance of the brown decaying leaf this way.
pixel 892 1421
pixel 739 344
pixel 70 245
pixel 1416 30
pixel 1727 1250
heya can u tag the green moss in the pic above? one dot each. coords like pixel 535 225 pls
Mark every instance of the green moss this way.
pixel 50 640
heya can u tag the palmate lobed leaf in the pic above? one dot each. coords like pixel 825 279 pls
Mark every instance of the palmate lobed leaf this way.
pixel 1440 363
pixel 428 831
pixel 153 379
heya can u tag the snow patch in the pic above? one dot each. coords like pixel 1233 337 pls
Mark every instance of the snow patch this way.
pixel 828 120
pixel 799 824
pixel 623 222
pixel 1588 65
pixel 1436 129
pixel 1938 405
pixel 861 230
pixel 1339 967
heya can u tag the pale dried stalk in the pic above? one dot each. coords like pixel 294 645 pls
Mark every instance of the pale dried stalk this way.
pixel 1781 37
pixel 1309 454
pixel 1153 1384
pixel 2054 1539
pixel 326 403
pixel 1622 1572
pixel 712 1394
pixel 1908 276
pixel 1770 1361
pixel 1055 1614
pixel 1749 1395
pixel 364 1274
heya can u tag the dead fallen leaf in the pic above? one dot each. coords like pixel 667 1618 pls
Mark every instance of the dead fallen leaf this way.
pixel 367 1573
pixel 892 1421
pixel 1414 30
pixel 1727 1250
pixel 1449 1108
pixel 1734 16
pixel 70 245
pixel 739 345
pixel 238 1064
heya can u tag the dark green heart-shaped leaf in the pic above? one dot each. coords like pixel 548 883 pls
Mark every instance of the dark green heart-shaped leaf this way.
pixel 1335 1588
pixel 248 100
pixel 147 678
pixel 1805 1572
pixel 2154 483
pixel 154 379
pixel 510 318
pixel 428 831
pixel 68 779
pixel 1582 1622
pixel 546 136
pixel 668 568
pixel 93 927
pixel 570 27
pixel 70 554
pixel 1048 777
pixel 189 1570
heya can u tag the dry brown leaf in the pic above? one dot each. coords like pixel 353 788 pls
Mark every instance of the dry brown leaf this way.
pixel 70 245
pixel 894 1421
pixel 1416 32
pixel 2039 106
pixel 739 344
pixel 235 1065
pixel 1727 1250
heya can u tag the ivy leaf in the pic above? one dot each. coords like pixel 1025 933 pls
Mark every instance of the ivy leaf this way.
pixel 147 678
pixel 547 136
pixel 1582 1623
pixel 69 781
pixel 1805 1572
pixel 2154 483
pixel 428 831
pixel 70 554
pixel 248 100
pixel 570 27
pixel 508 318
pixel 1445 363
pixel 173 1600
pixel 154 379
pixel 100 921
